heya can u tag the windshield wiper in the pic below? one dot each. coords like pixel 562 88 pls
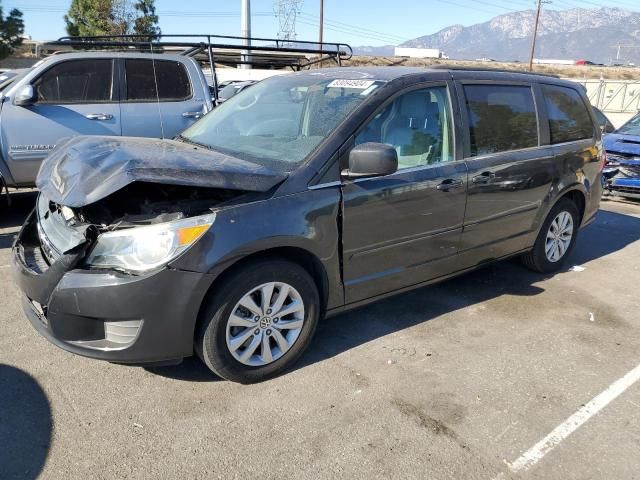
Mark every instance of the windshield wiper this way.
pixel 191 142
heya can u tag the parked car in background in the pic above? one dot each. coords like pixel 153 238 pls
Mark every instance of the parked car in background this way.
pixel 304 195
pixel 9 76
pixel 605 124
pixel 95 93
pixel 622 171
pixel 229 89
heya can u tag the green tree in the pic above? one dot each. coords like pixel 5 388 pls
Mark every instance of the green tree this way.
pixel 89 17
pixel 146 23
pixel 11 30
pixel 112 17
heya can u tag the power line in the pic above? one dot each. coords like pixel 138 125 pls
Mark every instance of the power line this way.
pixel 347 32
pixel 363 30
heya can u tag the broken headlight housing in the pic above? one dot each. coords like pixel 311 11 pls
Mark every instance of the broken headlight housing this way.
pixel 139 249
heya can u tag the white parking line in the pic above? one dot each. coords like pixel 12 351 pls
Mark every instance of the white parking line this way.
pixel 571 424
pixel 5 266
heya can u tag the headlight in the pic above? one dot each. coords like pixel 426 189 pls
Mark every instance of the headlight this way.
pixel 143 248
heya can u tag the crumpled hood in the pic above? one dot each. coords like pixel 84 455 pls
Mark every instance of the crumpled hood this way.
pixel 86 169
pixel 629 144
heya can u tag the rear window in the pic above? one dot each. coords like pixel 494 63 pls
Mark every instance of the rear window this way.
pixel 569 119
pixel 501 118
pixel 76 81
pixel 170 77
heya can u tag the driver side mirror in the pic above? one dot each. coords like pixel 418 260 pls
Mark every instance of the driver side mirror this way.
pixel 25 96
pixel 371 160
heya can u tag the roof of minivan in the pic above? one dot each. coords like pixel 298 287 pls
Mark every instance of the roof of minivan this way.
pixel 392 73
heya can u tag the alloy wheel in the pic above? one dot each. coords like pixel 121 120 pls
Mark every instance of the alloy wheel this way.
pixel 265 323
pixel 559 236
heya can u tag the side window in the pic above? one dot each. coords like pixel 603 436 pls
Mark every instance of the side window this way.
pixel 76 81
pixel 569 118
pixel 143 75
pixel 501 118
pixel 417 124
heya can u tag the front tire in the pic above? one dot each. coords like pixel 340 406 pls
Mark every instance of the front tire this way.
pixel 259 321
pixel 556 239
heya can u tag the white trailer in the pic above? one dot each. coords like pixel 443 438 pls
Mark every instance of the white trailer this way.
pixel 418 52
pixel 553 61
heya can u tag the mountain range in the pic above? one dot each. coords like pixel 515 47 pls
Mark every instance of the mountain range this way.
pixel 579 33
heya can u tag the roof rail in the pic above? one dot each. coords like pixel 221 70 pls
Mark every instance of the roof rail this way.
pixel 228 50
pixel 465 68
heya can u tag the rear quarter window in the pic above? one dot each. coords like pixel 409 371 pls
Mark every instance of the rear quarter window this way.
pixel 569 119
pixel 501 118
pixel 143 75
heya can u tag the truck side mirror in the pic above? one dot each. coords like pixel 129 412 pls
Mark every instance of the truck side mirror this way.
pixel 371 160
pixel 25 96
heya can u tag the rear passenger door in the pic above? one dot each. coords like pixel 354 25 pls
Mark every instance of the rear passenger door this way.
pixel 510 167
pixel 403 229
pixel 158 98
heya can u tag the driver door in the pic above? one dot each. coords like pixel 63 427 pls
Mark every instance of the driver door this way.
pixel 72 97
pixel 403 229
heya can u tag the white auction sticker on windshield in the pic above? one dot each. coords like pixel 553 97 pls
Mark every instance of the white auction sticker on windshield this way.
pixel 343 83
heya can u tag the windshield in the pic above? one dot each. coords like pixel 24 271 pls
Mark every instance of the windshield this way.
pixel 279 121
pixel 632 127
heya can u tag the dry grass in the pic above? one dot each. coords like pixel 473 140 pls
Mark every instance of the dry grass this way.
pixel 568 71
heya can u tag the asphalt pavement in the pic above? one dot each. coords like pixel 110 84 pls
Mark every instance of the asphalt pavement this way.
pixel 464 379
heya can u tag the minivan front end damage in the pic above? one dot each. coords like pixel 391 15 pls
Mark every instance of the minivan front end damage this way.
pixel 101 311
pixel 97 276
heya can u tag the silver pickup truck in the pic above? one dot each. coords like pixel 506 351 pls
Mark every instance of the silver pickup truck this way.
pixel 95 93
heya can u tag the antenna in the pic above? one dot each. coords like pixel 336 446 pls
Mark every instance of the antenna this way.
pixel 155 80
pixel 287 11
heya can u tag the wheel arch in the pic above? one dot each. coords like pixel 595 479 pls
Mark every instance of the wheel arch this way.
pixel 306 259
pixel 578 197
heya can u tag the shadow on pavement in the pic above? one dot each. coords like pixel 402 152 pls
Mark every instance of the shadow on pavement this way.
pixel 610 233
pixel 14 215
pixel 190 370
pixel 25 425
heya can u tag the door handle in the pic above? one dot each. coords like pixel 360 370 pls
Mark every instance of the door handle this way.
pixel 99 116
pixel 449 184
pixel 195 115
pixel 484 177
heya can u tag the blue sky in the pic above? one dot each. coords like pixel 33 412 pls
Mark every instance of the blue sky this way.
pixel 358 22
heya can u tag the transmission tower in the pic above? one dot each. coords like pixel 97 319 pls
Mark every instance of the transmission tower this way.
pixel 287 11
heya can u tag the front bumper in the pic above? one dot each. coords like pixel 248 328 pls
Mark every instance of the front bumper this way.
pixel 106 314
pixel 625 187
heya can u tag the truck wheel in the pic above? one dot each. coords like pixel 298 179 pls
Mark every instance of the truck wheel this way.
pixel 555 240
pixel 259 322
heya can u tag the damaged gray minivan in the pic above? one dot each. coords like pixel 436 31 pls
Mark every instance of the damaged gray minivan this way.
pixel 303 196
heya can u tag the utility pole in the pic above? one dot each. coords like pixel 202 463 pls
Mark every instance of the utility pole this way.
pixel 321 21
pixel 245 31
pixel 535 34
pixel 321 28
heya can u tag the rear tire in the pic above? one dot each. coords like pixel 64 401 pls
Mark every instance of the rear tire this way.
pixel 254 343
pixel 556 239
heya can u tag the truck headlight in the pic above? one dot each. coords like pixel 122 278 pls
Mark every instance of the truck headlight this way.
pixel 143 248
